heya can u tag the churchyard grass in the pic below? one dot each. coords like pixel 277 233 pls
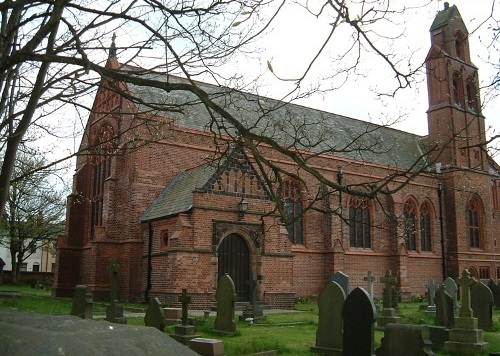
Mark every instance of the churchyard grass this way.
pixel 290 333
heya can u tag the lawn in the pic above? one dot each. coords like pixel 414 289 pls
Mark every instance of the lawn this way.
pixel 289 333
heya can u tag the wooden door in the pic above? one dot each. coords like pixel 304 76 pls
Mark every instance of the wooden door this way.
pixel 234 259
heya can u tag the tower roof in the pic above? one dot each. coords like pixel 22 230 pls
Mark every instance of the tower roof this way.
pixel 444 17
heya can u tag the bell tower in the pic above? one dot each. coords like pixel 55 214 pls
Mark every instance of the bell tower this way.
pixel 456 125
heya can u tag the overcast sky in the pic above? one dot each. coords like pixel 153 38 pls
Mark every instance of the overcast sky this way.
pixel 297 35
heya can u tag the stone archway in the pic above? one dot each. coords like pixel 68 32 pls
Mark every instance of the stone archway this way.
pixel 234 259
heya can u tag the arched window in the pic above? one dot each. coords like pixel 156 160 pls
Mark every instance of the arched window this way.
pixel 470 87
pixel 293 210
pixel 359 223
pixel 458 95
pixel 101 169
pixel 409 226
pixel 460 45
pixel 474 223
pixel 425 228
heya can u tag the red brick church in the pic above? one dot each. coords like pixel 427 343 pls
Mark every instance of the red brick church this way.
pixel 154 192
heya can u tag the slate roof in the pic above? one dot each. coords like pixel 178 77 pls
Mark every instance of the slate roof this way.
pixel 445 16
pixel 178 196
pixel 317 130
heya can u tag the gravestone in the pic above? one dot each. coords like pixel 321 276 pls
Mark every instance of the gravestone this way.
pixel 184 332
pixel 404 339
pixel 225 297
pixel 329 336
pixel 82 302
pixel 444 307
pixel 370 278
pixel 359 316
pixel 155 316
pixel 388 312
pixel 207 347
pixel 482 305
pixel 465 337
pixel 255 311
pixel 114 311
pixel 495 289
pixel 437 335
pixel 452 289
pixel 431 291
pixel 342 279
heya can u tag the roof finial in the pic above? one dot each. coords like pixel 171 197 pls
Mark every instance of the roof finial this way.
pixel 446 5
pixel 112 48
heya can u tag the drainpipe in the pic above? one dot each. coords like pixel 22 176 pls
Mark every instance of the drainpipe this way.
pixel 443 256
pixel 150 268
pixel 340 176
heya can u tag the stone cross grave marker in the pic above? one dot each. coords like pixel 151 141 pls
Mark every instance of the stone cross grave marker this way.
pixel 342 279
pixel 389 281
pixel 114 312
pixel 444 307
pixel 226 297
pixel 370 278
pixel 359 316
pixel 253 283
pixel 154 315
pixel 184 299
pixel 466 282
pixel 482 305
pixel 329 336
pixel 452 289
pixel 431 291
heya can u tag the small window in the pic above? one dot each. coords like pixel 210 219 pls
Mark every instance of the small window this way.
pixel 474 223
pixel 36 267
pixel 24 266
pixel 458 96
pixel 460 46
pixel 484 272
pixel 359 223
pixel 425 228
pixel 470 87
pixel 164 238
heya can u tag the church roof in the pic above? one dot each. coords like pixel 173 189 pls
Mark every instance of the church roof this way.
pixel 288 124
pixel 178 196
pixel 444 17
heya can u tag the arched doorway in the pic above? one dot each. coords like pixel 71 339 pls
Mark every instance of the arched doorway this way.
pixel 234 259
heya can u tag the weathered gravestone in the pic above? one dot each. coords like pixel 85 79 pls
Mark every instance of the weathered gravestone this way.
pixel 184 332
pixel 404 339
pixel 444 307
pixel 329 336
pixel 155 316
pixel 225 297
pixel 82 302
pixel 370 278
pixel 342 279
pixel 431 292
pixel 388 312
pixel 495 289
pixel 359 316
pixel 114 312
pixel 465 337
pixel 482 305
pixel 207 347
pixel 452 289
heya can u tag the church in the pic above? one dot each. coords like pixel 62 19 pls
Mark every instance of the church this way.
pixel 178 206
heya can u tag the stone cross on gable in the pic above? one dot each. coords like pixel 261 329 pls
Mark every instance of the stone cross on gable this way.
pixel 370 278
pixel 185 299
pixel 114 268
pixel 389 281
pixel 432 286
pixel 466 282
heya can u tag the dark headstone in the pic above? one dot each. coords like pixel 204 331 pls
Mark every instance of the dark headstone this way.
pixel 495 289
pixel 342 279
pixel 225 297
pixel 359 316
pixel 403 339
pixel 444 307
pixel 482 305
pixel 437 335
pixel 82 302
pixel 155 316
pixel 329 336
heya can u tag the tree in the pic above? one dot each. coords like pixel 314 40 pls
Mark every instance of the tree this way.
pixel 35 214
pixel 51 56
